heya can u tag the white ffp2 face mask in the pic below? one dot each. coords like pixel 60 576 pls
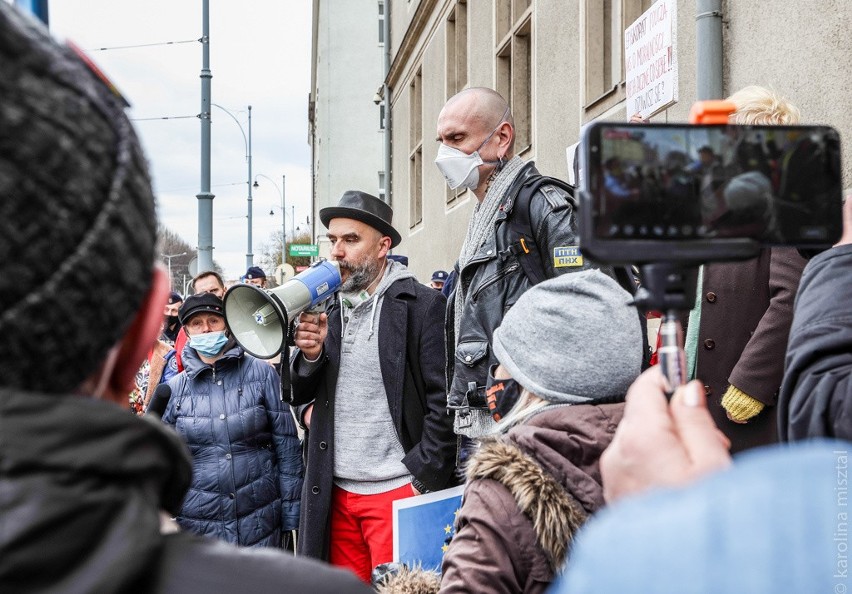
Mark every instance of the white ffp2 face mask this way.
pixel 460 169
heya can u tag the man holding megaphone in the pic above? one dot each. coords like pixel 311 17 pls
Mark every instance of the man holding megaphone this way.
pixel 370 376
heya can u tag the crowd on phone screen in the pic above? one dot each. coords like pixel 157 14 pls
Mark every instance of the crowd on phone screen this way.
pixel 523 382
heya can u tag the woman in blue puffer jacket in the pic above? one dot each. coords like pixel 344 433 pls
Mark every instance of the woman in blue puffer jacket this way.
pixel 247 464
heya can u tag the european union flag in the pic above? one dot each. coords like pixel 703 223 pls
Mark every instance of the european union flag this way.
pixel 423 527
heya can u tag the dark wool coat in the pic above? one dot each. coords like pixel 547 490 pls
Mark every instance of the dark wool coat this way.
pixel 527 494
pixel 746 311
pixel 87 484
pixel 411 319
pixel 816 396
pixel 247 463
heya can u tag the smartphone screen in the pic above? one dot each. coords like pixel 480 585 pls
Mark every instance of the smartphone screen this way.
pixel 777 185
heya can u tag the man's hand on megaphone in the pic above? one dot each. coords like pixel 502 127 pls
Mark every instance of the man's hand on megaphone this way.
pixel 310 334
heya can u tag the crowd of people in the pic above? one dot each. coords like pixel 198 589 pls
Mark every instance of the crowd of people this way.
pixel 518 374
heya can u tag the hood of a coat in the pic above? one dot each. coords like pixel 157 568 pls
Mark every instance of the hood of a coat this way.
pixel 83 483
pixel 395 272
pixel 550 466
pixel 410 580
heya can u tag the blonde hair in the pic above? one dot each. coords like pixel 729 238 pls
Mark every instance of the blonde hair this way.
pixel 762 106
pixel 527 404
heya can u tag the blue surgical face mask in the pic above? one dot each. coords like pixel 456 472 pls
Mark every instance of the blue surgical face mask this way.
pixel 209 344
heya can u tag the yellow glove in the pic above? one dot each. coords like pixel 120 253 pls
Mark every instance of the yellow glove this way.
pixel 740 406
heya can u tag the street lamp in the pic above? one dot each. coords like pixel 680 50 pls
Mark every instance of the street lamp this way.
pixel 249 254
pixel 305 227
pixel 168 258
pixel 281 191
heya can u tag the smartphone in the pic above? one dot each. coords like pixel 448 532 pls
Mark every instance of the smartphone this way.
pixel 678 192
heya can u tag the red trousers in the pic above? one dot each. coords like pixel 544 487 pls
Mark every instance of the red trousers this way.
pixel 362 529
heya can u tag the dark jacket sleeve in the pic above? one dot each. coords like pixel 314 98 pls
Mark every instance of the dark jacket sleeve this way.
pixel 491 548
pixel 176 384
pixel 760 368
pixel 432 460
pixel 288 451
pixel 815 396
pixel 554 222
pixel 305 377
pixel 189 563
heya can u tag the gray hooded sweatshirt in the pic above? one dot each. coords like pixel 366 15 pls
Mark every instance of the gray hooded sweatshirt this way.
pixel 368 455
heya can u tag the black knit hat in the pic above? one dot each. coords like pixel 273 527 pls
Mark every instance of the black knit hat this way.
pixel 198 303
pixel 76 215
pixel 255 272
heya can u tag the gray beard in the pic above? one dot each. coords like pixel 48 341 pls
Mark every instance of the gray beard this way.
pixel 360 277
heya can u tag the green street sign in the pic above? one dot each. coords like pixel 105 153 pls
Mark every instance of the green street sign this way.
pixel 310 250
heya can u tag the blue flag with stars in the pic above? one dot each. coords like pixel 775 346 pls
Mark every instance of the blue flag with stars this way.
pixel 423 527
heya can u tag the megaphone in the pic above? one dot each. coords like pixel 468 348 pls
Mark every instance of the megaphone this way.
pixel 259 319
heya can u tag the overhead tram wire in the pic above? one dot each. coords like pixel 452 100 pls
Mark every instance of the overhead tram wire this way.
pixel 164 118
pixel 120 47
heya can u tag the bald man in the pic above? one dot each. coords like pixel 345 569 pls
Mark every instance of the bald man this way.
pixel 477 141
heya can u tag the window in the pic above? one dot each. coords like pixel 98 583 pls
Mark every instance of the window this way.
pixel 604 25
pixel 456 63
pixel 381 22
pixel 415 154
pixel 457 48
pixel 514 65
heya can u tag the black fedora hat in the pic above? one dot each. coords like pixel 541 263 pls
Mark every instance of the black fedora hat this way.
pixel 365 208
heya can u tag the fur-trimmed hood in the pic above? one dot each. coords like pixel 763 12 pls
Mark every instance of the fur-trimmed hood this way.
pixel 549 465
pixel 554 513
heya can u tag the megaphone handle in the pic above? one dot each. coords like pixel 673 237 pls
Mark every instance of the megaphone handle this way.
pixel 288 341
pixel 286 383
pixel 290 338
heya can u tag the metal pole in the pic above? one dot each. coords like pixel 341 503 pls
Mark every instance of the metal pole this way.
pixel 387 99
pixel 249 254
pixel 283 220
pixel 708 41
pixel 247 141
pixel 205 197
pixel 281 191
pixel 292 222
pixel 168 258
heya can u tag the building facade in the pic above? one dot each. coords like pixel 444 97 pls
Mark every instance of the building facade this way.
pixel 561 64
pixel 345 123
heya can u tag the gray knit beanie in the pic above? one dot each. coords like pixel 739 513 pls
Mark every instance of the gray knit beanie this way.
pixel 77 219
pixel 572 339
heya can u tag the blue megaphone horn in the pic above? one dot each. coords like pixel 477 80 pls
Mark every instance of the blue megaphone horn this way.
pixel 259 319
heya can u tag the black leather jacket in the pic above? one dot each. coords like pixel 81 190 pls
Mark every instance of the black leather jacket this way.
pixel 494 280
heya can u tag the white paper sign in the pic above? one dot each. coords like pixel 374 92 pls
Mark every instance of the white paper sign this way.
pixel 575 174
pixel 650 53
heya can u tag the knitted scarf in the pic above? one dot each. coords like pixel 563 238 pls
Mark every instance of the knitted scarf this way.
pixel 479 229
pixel 481 225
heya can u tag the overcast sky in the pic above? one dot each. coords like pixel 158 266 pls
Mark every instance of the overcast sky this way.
pixel 259 56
